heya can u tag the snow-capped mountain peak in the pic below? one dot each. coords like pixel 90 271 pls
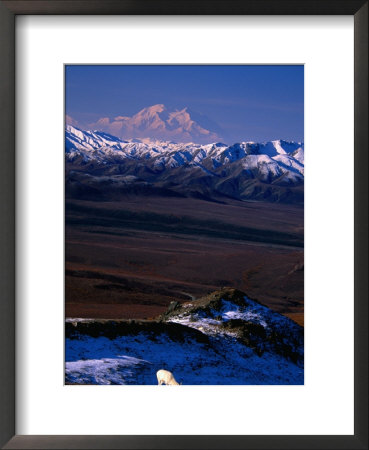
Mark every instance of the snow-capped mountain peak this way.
pixel 158 122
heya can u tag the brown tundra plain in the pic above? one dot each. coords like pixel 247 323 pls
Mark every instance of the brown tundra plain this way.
pixel 130 258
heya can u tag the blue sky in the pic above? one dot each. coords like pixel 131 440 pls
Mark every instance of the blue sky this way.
pixel 257 103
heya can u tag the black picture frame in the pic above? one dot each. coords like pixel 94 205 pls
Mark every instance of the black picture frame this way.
pixel 8 11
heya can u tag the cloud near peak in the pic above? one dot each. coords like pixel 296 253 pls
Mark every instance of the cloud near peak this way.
pixel 70 121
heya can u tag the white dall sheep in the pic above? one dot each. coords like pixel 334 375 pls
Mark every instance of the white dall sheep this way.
pixel 166 377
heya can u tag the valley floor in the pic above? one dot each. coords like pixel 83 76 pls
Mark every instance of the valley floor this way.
pixel 130 259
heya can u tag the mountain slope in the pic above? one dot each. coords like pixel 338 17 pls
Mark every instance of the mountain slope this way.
pixel 222 339
pixel 272 171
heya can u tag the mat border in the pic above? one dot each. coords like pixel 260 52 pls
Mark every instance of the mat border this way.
pixel 8 11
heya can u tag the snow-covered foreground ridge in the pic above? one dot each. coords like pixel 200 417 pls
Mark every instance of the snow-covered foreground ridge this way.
pixel 224 338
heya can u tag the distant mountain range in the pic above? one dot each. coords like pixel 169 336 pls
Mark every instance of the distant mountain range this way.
pixel 102 166
pixel 159 122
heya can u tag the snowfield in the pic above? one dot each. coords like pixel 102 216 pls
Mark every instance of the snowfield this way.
pixel 234 341
pixel 104 361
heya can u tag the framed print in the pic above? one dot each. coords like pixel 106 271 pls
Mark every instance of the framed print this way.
pixel 149 198
pixel 159 227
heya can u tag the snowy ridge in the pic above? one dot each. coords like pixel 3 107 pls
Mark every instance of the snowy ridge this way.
pixel 210 169
pixel 84 143
pixel 224 338
pixel 233 314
